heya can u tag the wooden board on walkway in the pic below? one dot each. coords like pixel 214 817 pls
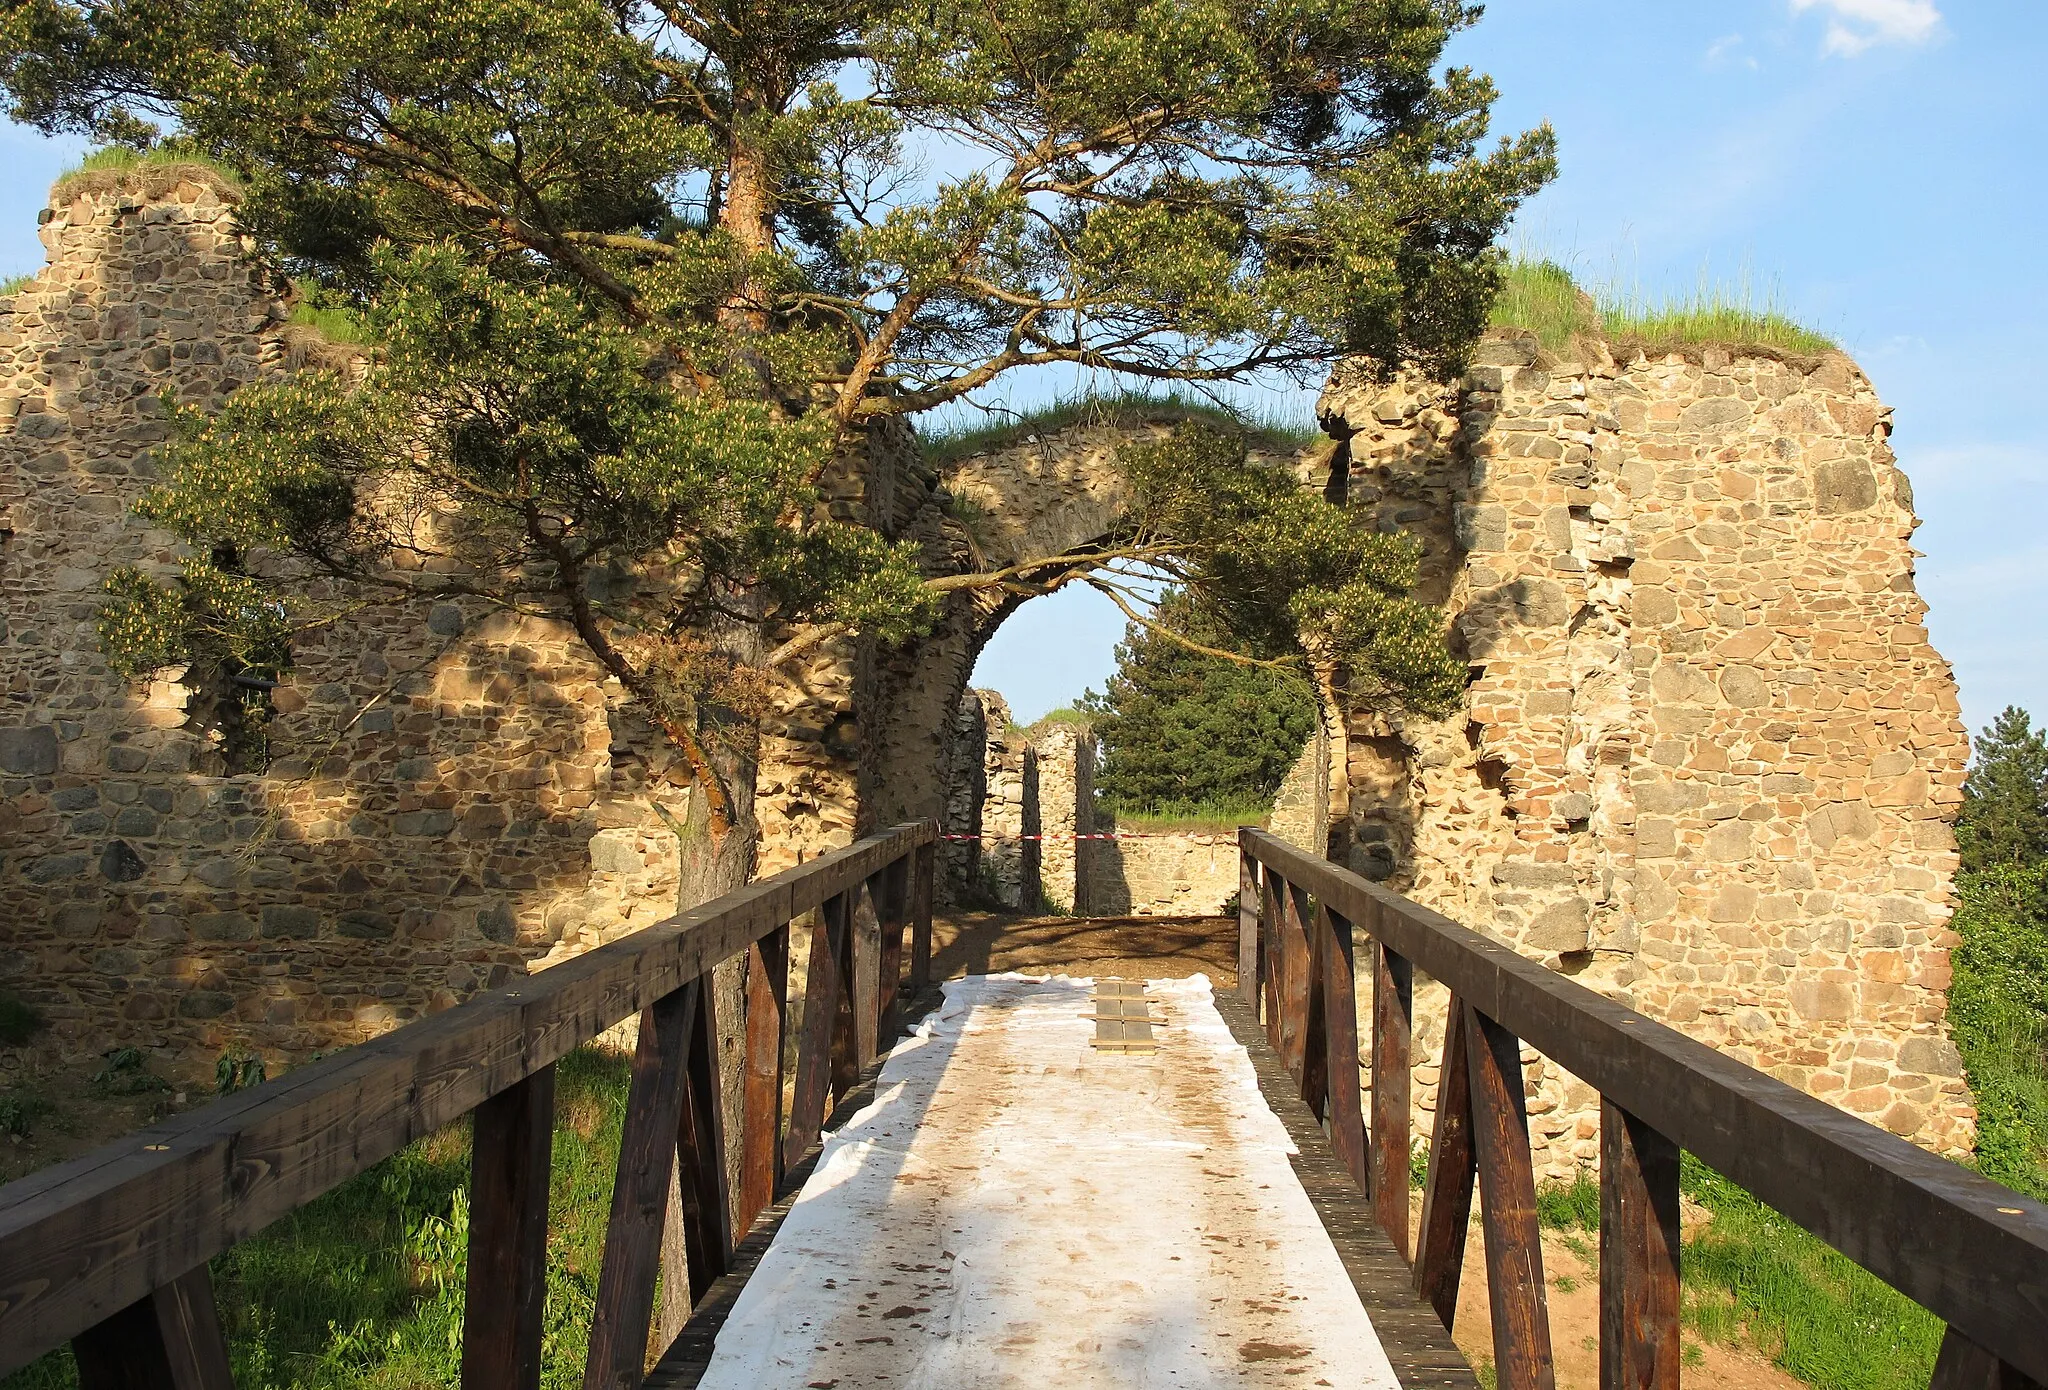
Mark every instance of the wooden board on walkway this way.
pixel 1016 1207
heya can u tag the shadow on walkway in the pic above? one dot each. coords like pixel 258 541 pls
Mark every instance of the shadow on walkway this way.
pixel 986 943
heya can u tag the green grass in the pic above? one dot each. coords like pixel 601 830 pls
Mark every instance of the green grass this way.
pixel 947 443
pixel 15 284
pixel 120 158
pixel 1195 817
pixel 1750 1276
pixel 335 325
pixel 363 1289
pixel 1543 297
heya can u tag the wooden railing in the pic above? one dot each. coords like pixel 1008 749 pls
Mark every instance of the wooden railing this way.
pixel 109 1251
pixel 1972 1252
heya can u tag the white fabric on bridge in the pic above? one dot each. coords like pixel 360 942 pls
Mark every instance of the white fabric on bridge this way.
pixel 1017 1209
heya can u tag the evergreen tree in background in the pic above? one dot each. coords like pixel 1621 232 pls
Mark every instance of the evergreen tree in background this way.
pixel 2005 801
pixel 1181 729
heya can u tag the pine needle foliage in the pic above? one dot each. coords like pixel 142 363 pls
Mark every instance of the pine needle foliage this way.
pixel 1187 734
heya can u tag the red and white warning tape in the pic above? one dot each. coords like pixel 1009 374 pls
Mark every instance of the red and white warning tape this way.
pixel 1123 835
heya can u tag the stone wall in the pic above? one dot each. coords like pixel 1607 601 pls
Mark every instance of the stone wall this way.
pixel 1065 764
pixel 450 797
pixel 1171 874
pixel 1707 761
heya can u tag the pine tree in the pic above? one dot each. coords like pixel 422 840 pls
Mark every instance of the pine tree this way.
pixel 1180 728
pixel 2005 799
pixel 637 272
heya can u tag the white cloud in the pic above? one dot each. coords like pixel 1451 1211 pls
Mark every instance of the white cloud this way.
pixel 1724 50
pixel 1855 25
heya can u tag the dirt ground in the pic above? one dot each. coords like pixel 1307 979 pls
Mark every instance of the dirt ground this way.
pixel 68 1115
pixel 975 943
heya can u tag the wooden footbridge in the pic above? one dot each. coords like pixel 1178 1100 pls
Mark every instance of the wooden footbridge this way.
pixel 1199 1200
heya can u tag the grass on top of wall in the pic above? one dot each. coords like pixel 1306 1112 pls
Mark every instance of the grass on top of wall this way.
pixel 1191 817
pixel 15 284
pixel 1544 298
pixel 945 443
pixel 1752 1277
pixel 363 1288
pixel 159 168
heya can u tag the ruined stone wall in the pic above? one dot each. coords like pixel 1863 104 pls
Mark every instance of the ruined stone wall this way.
pixel 1065 763
pixel 1170 874
pixel 451 796
pixel 1707 760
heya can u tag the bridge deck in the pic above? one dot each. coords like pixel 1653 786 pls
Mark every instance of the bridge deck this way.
pixel 1016 1206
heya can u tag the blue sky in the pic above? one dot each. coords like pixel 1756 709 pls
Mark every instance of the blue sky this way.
pixel 1876 165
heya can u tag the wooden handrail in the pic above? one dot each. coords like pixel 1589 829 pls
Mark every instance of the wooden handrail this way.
pixel 109 1250
pixel 1969 1250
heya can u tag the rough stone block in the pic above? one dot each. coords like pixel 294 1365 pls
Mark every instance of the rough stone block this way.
pixel 29 752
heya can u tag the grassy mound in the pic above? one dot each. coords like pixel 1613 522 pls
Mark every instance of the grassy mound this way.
pixel 1543 297
pixel 949 442
pixel 152 173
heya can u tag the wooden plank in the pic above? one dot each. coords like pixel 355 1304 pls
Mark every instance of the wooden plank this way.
pixel 504 1303
pixel 1958 1244
pixel 1417 1345
pixel 767 1024
pixel 170 1340
pixel 1963 1365
pixel 814 1044
pixel 1247 927
pixel 1507 1207
pixel 1447 1192
pixel 1393 1034
pixel 1639 1342
pixel 922 889
pixel 647 1154
pixel 1346 1111
pixel 866 973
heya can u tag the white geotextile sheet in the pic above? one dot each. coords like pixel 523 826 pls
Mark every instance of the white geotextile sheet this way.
pixel 1017 1209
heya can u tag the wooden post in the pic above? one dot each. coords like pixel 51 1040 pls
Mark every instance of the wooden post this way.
pixel 647 1155
pixel 1639 1342
pixel 866 973
pixel 1273 950
pixel 1340 1010
pixel 814 1044
pixel 922 889
pixel 767 1024
pixel 1963 1365
pixel 504 1303
pixel 1315 1029
pixel 1447 1194
pixel 1247 926
pixel 1393 1031
pixel 1507 1207
pixel 169 1340
pixel 702 1250
pixel 1294 972
pixel 893 904
pixel 846 1062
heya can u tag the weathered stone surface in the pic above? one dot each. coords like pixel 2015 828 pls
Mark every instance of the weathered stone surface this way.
pixel 1711 715
pixel 30 752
